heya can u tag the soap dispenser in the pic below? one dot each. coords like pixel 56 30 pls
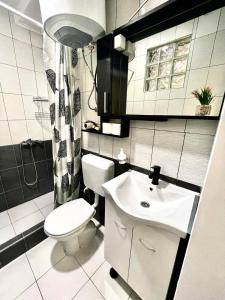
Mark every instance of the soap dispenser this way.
pixel 122 157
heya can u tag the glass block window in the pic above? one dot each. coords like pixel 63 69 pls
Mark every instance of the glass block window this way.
pixel 166 65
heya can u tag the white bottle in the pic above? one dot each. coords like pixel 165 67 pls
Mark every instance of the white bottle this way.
pixel 122 158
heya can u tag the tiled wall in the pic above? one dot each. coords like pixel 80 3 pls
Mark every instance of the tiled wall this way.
pixel 21 78
pixel 205 67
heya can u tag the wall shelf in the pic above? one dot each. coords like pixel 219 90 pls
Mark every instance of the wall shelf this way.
pixel 100 132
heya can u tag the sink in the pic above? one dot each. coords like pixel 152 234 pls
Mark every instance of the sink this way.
pixel 166 205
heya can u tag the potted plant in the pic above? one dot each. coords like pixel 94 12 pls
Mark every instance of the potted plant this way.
pixel 205 97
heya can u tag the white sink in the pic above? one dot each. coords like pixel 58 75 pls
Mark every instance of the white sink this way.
pixel 165 205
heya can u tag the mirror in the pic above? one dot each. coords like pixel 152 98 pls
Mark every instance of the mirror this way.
pixel 169 66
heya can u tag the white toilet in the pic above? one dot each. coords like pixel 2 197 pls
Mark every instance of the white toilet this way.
pixel 71 222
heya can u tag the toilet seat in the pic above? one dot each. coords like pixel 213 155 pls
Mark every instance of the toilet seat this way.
pixel 68 218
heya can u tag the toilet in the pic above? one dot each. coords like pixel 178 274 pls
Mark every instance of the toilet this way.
pixel 71 222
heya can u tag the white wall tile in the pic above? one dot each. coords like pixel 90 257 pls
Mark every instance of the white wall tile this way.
pixel 47 129
pixel 197 79
pixel 208 23
pixel 140 67
pixel 30 107
pixel 195 158
pixel 216 79
pixel 18 131
pixel 5 138
pixel 184 29
pixel 38 59
pixel 190 106
pixel 163 94
pixel 167 151
pixel 140 47
pixel 161 107
pixel 168 35
pixel 130 91
pixel 139 90
pixel 19 32
pixel 153 41
pixel 149 107
pixel 175 107
pixel 41 84
pixel 222 19
pixel 14 107
pixel 218 56
pixel 7 54
pixel 35 129
pixel 119 143
pixel 171 125
pixel 150 5
pixel 216 106
pixel 150 96
pixel 9 79
pixel 142 124
pixel 129 108
pixel 141 147
pixel 4 22
pixel 202 52
pixel 202 126
pixel 106 145
pixel 28 82
pixel 138 107
pixel 90 141
pixel 36 39
pixel 3 115
pixel 24 55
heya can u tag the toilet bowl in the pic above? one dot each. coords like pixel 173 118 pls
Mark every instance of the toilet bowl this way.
pixel 71 222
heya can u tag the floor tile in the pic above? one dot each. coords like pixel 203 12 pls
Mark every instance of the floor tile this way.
pixel 6 233
pixel 44 200
pixel 88 291
pixel 4 219
pixel 44 256
pixel 15 278
pixel 28 222
pixel 20 211
pixel 92 256
pixel 62 281
pixel 31 293
pixel 47 209
pixel 110 288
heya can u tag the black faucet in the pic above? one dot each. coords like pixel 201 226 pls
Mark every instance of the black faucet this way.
pixel 154 174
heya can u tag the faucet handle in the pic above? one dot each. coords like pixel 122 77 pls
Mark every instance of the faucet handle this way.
pixel 154 170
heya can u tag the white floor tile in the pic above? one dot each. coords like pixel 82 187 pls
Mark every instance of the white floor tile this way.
pixel 63 281
pixel 31 293
pixel 6 233
pixel 47 209
pixel 44 200
pixel 28 222
pixel 110 288
pixel 4 219
pixel 44 256
pixel 20 211
pixel 89 291
pixel 15 278
pixel 92 256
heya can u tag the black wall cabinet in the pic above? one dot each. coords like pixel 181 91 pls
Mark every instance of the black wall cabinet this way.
pixel 112 70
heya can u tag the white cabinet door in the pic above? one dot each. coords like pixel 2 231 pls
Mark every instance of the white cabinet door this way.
pixel 118 233
pixel 153 255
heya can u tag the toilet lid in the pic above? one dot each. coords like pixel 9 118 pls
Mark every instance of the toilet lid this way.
pixel 68 217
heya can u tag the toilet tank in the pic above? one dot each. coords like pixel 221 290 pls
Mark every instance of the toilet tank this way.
pixel 96 171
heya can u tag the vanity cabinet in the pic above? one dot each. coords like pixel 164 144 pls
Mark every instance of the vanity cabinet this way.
pixel 144 256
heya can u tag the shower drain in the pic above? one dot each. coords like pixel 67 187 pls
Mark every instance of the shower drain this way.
pixel 145 204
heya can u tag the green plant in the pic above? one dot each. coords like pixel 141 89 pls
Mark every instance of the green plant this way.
pixel 204 96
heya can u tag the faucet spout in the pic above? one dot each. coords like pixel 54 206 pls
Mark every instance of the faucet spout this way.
pixel 154 174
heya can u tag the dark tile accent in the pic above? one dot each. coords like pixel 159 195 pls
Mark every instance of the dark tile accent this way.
pixel 35 237
pixel 30 192
pixel 11 242
pixel 42 169
pixel 1 187
pixel 50 168
pixel 10 179
pixel 7 157
pixel 12 252
pixel 14 197
pixel 44 187
pixel 51 184
pixel 48 149
pixel 3 204
pixel 29 172
pixel 39 152
pixel 27 159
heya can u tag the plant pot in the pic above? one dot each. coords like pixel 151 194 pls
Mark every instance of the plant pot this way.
pixel 203 110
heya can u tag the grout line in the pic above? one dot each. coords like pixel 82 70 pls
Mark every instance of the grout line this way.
pixel 182 149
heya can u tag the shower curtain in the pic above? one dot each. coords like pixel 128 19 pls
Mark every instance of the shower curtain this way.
pixel 65 114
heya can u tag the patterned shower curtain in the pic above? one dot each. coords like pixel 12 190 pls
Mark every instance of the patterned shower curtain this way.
pixel 65 113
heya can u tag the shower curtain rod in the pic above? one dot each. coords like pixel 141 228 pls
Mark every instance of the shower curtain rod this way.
pixel 17 12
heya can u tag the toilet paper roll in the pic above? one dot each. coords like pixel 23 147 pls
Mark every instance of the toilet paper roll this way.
pixel 107 128
pixel 116 129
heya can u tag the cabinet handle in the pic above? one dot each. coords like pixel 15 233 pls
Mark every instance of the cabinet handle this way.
pixel 105 102
pixel 147 246
pixel 120 225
